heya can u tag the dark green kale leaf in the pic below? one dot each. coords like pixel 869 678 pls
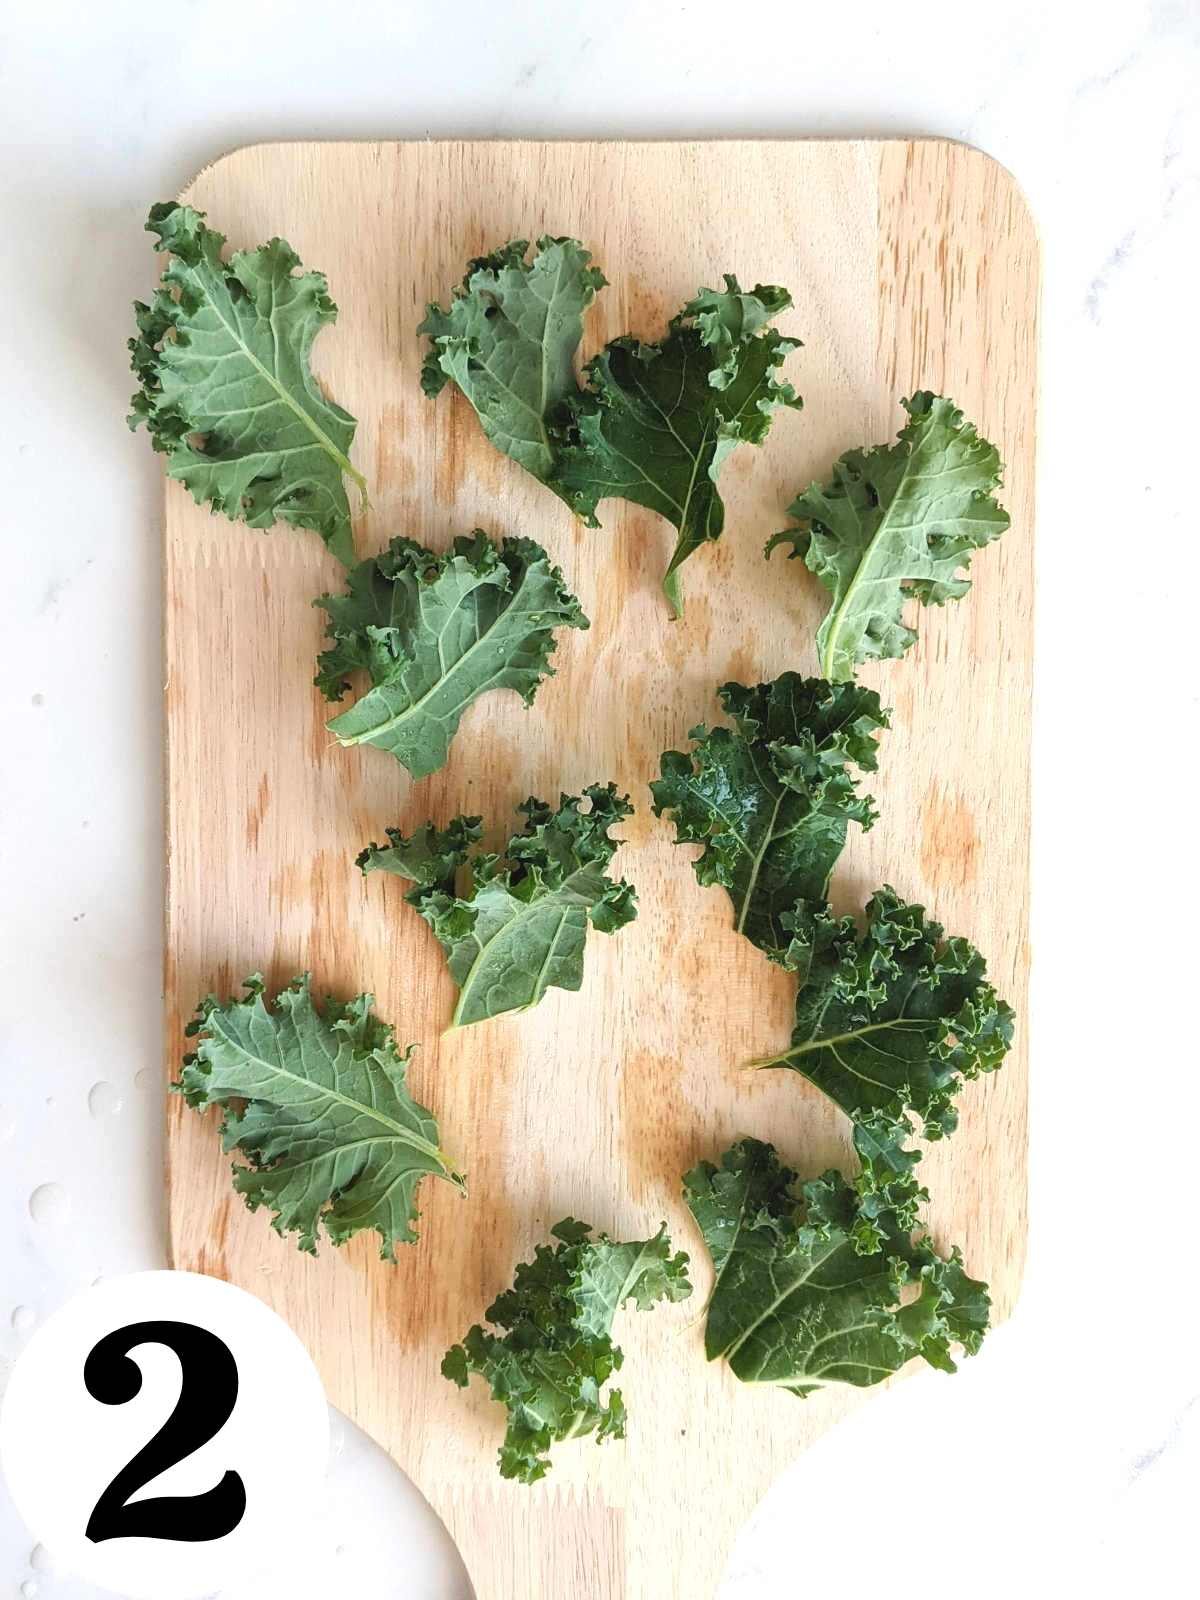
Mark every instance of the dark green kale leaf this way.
pixel 770 798
pixel 521 924
pixel 887 1181
pixel 508 340
pixel 316 1100
pixel 657 421
pixel 435 632
pixel 222 355
pixel 896 523
pixel 810 1291
pixel 556 1352
pixel 893 1019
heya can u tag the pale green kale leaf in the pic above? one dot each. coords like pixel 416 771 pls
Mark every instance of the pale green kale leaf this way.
pixel 315 1099
pixel 508 340
pixel 433 633
pixel 771 798
pixel 657 421
pixel 550 1364
pixel 227 393
pixel 896 523
pixel 809 1291
pixel 520 925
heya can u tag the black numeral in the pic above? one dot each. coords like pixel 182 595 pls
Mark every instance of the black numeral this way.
pixel 206 1400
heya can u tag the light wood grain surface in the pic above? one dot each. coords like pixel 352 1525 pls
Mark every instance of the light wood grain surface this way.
pixel 912 265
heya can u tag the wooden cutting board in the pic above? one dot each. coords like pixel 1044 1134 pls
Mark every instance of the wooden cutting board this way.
pixel 913 264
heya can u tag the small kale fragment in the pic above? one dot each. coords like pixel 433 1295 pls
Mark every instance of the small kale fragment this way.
pixel 556 1352
pixel 227 393
pixel 770 798
pixel 435 632
pixel 896 523
pixel 316 1100
pixel 521 925
pixel 656 422
pixel 814 1281
pixel 893 1019
pixel 508 340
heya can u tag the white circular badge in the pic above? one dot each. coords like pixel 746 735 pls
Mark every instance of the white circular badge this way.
pixel 161 1434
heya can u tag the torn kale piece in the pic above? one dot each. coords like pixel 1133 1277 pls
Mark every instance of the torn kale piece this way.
pixel 520 926
pixel 432 633
pixel 771 797
pixel 227 393
pixel 315 1099
pixel 817 1284
pixel 896 523
pixel 549 1366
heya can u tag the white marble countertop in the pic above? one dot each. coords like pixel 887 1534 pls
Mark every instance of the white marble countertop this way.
pixel 1068 1453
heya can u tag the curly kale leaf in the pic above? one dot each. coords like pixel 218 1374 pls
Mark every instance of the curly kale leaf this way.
pixel 887 1184
pixel 770 798
pixel 227 393
pixel 520 927
pixel 893 1019
pixel 435 632
pixel 896 523
pixel 657 421
pixel 556 1353
pixel 508 340
pixel 654 423
pixel 809 1292
pixel 316 1101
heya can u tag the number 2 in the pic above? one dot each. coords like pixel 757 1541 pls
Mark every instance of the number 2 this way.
pixel 207 1397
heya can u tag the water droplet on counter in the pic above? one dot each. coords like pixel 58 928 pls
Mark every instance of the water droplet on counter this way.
pixel 148 1078
pixel 8 1124
pixel 41 1560
pixel 29 1589
pixel 23 1318
pixel 104 1100
pixel 37 700
pixel 50 1204
pixel 50 1102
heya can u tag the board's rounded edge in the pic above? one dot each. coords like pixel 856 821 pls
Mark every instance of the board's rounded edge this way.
pixel 1001 172
pixel 244 151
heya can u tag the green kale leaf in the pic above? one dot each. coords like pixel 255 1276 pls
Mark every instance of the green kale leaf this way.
pixel 654 423
pixel 556 1353
pixel 435 632
pixel 227 393
pixel 896 523
pixel 521 925
pixel 893 1019
pixel 508 340
pixel 770 798
pixel 809 1292
pixel 657 421
pixel 316 1101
